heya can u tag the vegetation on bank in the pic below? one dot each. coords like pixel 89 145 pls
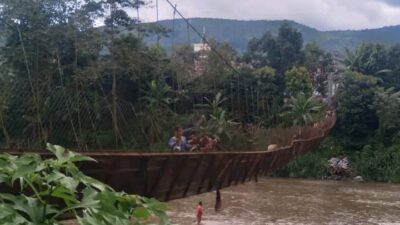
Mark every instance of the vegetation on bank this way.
pixel 374 161
pixel 46 192
pixel 368 125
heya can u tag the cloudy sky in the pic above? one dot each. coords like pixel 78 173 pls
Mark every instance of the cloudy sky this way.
pixel 320 14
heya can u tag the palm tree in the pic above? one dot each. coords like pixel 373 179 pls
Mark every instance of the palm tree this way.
pixel 365 59
pixel 302 110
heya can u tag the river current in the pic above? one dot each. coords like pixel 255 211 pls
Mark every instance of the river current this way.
pixel 295 201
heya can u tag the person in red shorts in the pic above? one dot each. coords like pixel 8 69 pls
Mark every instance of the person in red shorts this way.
pixel 199 212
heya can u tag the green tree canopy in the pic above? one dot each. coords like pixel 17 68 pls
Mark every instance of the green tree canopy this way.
pixel 281 52
pixel 387 106
pixel 355 96
pixel 267 82
pixel 370 59
pixel 319 64
pixel 298 80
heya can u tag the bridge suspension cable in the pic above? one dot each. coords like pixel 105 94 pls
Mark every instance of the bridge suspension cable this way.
pixel 228 63
pixel 216 52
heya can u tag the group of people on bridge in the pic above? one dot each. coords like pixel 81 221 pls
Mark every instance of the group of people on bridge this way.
pixel 195 143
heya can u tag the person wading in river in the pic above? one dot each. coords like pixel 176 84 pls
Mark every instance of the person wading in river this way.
pixel 218 201
pixel 199 212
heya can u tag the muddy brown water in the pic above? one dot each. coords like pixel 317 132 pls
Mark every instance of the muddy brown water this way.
pixel 295 201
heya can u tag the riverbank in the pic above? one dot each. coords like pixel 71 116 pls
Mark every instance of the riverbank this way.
pixel 372 161
pixel 295 201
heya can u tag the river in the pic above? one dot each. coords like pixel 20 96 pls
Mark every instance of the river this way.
pixel 295 201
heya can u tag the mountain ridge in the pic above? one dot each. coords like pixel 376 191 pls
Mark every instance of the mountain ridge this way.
pixel 239 32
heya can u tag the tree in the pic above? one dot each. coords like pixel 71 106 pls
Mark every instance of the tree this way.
pixel 298 80
pixel 116 20
pixel 218 65
pixel 4 100
pixel 57 57
pixel 183 63
pixel 369 59
pixel 393 78
pixel 267 82
pixel 269 93
pixel 281 52
pixel 261 52
pixel 290 42
pixel 387 106
pixel 319 64
pixel 41 52
pixel 355 95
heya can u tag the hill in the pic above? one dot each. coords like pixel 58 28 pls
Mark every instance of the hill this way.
pixel 238 33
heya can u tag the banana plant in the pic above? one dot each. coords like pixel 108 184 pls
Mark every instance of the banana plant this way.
pixel 156 95
pixel 215 105
pixel 301 110
pixel 156 100
pixel 219 123
pixel 222 125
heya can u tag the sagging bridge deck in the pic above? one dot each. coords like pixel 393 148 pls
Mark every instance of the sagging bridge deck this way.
pixel 168 176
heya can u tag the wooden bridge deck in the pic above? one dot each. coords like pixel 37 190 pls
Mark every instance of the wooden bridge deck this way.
pixel 168 176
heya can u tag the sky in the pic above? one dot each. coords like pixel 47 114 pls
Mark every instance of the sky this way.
pixel 319 14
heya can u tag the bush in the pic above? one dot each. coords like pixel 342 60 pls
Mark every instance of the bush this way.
pixel 312 165
pixel 52 188
pixel 378 163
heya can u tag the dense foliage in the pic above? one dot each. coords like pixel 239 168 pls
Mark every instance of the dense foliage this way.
pixel 45 191
pixel 374 161
pixel 367 129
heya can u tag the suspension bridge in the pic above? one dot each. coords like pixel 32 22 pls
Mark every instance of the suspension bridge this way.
pixel 70 116
pixel 168 176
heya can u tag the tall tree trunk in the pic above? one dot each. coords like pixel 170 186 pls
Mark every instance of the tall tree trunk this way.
pixel 68 106
pixel 114 105
pixel 114 84
pixel 34 93
pixel 74 30
pixel 4 129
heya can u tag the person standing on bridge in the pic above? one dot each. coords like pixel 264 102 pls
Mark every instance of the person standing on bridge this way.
pixel 178 142
pixel 199 212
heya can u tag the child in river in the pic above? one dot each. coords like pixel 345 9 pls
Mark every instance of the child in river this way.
pixel 199 212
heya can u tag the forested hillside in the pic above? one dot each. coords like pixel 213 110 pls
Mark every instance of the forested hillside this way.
pixel 238 33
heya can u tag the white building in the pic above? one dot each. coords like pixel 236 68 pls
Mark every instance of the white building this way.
pixel 201 47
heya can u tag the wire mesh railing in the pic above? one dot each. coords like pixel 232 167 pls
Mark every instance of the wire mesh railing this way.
pixel 73 117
